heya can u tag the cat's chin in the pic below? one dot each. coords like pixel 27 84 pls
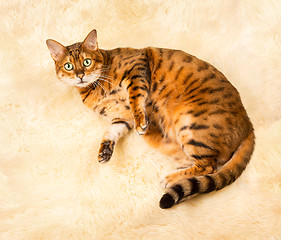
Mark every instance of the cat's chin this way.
pixel 83 84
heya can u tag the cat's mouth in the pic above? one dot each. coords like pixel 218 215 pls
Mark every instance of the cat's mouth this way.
pixel 87 80
pixel 81 82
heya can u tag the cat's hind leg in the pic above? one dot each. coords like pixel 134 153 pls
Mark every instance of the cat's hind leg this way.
pixel 201 167
pixel 190 181
pixel 198 152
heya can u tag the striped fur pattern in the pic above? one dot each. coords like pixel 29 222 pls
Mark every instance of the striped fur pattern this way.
pixel 182 106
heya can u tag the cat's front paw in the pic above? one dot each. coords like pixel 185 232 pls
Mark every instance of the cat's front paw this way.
pixel 141 124
pixel 105 151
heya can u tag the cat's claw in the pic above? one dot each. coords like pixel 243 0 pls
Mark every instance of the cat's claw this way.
pixel 141 127
pixel 104 158
pixel 106 151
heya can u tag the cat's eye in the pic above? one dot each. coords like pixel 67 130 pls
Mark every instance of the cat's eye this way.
pixel 68 66
pixel 87 62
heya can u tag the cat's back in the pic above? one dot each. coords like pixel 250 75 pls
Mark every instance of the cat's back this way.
pixel 178 77
pixel 179 68
pixel 186 87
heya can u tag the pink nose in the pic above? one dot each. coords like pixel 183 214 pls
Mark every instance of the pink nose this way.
pixel 80 75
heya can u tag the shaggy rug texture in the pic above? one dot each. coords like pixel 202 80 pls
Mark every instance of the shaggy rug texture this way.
pixel 51 185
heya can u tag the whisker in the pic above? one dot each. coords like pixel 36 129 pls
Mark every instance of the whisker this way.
pixel 104 71
pixel 107 81
pixel 107 78
pixel 94 84
pixel 101 86
pixel 105 67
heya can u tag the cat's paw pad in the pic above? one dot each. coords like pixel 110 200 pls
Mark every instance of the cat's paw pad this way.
pixel 106 150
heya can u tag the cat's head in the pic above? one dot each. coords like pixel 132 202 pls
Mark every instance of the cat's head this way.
pixel 80 64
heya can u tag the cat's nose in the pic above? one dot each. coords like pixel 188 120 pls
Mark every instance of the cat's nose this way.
pixel 80 75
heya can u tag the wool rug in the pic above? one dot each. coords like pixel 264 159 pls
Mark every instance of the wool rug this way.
pixel 51 185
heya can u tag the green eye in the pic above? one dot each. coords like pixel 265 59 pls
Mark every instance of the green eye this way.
pixel 87 62
pixel 68 66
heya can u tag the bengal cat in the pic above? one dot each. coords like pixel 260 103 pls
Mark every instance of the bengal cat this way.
pixel 180 104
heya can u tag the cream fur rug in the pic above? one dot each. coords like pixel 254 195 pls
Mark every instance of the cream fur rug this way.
pixel 51 186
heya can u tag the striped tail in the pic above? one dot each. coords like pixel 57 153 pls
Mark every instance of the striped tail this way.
pixel 226 175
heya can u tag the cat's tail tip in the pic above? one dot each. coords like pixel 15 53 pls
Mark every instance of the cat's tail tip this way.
pixel 167 201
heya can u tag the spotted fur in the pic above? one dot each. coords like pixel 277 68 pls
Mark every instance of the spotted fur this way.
pixel 180 104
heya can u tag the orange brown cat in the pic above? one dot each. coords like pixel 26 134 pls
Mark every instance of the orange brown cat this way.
pixel 180 104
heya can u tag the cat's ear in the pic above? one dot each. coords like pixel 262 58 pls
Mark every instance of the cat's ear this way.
pixel 90 41
pixel 57 50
